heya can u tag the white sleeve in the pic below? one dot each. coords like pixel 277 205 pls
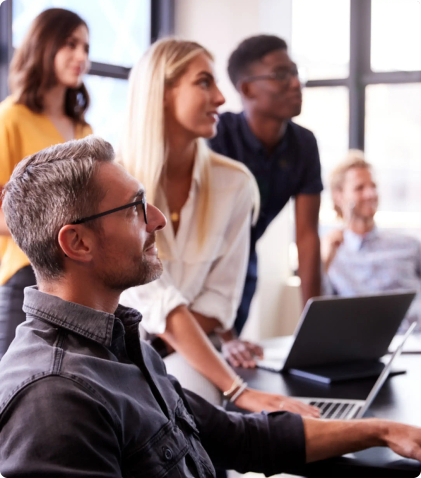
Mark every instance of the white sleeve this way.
pixel 223 287
pixel 155 301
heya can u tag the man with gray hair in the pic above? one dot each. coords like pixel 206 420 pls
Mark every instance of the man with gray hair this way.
pixel 80 394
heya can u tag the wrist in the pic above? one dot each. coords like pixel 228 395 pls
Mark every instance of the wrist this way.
pixel 378 432
pixel 242 400
pixel 226 335
pixel 383 432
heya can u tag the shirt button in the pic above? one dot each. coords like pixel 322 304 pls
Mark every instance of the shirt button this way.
pixel 167 454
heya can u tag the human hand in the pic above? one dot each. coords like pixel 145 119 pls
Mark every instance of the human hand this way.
pixel 240 353
pixel 403 439
pixel 329 246
pixel 256 401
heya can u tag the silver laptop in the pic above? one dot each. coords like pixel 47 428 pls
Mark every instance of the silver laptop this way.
pixel 344 409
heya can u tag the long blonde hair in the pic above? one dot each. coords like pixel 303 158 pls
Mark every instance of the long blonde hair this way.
pixel 143 148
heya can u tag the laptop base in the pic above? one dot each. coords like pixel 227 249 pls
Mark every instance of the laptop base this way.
pixel 329 374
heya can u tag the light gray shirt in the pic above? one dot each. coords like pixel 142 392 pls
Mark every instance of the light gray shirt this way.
pixel 378 261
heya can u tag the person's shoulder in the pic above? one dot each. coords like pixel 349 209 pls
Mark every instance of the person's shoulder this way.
pixel 229 119
pixel 300 132
pixel 399 239
pixel 229 175
pixel 12 112
pixel 228 124
pixel 85 130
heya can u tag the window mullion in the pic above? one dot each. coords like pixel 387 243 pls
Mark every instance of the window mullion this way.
pixel 359 66
pixel 6 49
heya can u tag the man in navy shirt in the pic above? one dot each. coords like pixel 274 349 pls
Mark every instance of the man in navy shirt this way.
pixel 282 155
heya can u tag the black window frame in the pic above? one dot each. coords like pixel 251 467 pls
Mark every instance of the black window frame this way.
pixel 161 22
pixel 360 73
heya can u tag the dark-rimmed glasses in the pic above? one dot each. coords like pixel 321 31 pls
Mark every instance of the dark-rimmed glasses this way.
pixel 283 74
pixel 105 213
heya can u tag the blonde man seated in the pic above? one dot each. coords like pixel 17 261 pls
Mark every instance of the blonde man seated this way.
pixel 359 258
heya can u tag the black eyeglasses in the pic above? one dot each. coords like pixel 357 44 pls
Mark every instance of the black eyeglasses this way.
pixel 283 74
pixel 132 204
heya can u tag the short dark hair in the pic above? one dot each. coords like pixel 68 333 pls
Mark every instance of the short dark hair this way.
pixel 249 51
pixel 48 190
pixel 32 67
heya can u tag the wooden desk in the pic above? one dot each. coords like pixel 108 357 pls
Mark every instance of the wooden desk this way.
pixel 399 400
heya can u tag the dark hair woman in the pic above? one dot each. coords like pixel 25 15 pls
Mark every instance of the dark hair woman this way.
pixel 47 106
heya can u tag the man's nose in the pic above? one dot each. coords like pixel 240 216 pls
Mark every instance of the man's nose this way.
pixel 156 220
pixel 294 82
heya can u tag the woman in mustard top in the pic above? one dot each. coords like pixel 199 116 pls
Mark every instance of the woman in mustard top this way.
pixel 46 107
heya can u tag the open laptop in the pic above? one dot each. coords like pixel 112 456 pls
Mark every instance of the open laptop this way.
pixel 341 338
pixel 344 409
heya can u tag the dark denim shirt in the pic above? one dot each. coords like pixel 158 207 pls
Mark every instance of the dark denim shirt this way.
pixel 292 168
pixel 82 396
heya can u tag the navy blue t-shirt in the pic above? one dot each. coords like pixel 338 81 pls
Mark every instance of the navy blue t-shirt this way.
pixel 293 168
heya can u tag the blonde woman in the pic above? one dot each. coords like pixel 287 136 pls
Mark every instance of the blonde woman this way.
pixel 208 199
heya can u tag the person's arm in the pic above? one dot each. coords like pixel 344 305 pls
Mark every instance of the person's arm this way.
pixel 68 433
pixel 277 442
pixel 329 247
pixel 216 306
pixel 328 438
pixel 238 353
pixel 308 243
pixel 184 334
pixel 224 284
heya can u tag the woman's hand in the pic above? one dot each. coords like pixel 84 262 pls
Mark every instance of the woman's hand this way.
pixel 240 353
pixel 256 401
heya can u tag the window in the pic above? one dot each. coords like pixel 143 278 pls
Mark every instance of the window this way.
pixel 312 32
pixel 364 91
pixel 325 112
pixel 119 33
pixel 326 63
pixel 395 34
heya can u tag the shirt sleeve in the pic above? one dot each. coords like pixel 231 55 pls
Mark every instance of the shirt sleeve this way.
pixel 10 148
pixel 223 287
pixel 155 300
pixel 312 180
pixel 74 434
pixel 268 443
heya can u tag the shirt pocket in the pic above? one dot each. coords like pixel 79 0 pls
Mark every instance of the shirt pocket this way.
pixel 198 261
pixel 159 457
pixel 208 251
pixel 186 422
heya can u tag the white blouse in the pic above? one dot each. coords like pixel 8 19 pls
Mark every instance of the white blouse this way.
pixel 207 278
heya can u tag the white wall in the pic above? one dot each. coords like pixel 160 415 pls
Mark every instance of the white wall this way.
pixel 220 25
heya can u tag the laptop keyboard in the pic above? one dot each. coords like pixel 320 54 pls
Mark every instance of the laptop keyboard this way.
pixel 336 410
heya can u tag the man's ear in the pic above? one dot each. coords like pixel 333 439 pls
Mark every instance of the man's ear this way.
pixel 246 89
pixel 76 242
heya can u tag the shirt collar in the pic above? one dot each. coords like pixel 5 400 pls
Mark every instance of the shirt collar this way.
pixel 200 151
pixel 354 241
pixel 252 141
pixel 90 323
